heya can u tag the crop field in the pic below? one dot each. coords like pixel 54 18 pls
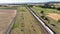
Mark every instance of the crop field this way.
pixel 49 16
pixel 26 23
pixel 54 16
pixel 6 16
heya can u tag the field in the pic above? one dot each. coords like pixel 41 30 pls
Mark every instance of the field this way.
pixel 26 23
pixel 54 16
pixel 52 22
pixel 8 8
pixel 6 16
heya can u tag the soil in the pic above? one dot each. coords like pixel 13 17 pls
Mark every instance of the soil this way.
pixel 54 16
pixel 6 17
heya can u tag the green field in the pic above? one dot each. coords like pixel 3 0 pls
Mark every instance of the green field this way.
pixel 56 26
pixel 26 23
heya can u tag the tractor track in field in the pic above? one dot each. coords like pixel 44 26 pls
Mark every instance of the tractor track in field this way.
pixel 46 29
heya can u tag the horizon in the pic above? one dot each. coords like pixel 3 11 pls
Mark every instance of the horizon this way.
pixel 27 1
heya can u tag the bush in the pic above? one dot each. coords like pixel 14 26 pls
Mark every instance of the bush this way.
pixel 42 17
pixel 59 20
pixel 47 19
pixel 53 24
pixel 42 12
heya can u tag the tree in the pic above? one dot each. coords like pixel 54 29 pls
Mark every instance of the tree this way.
pixel 58 8
pixel 53 7
pixel 30 5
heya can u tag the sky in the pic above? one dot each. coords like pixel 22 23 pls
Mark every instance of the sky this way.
pixel 23 1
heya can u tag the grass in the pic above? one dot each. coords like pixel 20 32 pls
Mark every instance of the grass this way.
pixel 54 28
pixel 47 10
pixel 26 23
pixel 21 9
pixel 14 26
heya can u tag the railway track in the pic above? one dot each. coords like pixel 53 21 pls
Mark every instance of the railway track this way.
pixel 46 29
